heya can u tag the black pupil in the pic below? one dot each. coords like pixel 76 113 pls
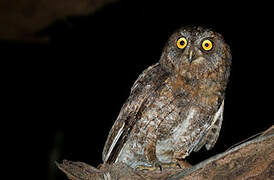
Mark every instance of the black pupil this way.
pixel 182 43
pixel 206 44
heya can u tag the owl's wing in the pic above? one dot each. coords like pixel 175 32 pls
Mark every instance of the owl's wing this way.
pixel 212 135
pixel 143 88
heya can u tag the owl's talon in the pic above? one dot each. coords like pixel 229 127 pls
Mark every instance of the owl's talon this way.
pixel 146 168
pixel 158 165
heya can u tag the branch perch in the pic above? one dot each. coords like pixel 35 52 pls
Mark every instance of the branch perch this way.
pixel 253 159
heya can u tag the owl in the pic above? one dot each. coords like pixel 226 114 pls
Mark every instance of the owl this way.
pixel 176 105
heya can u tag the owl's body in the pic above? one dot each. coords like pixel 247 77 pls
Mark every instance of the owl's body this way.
pixel 176 105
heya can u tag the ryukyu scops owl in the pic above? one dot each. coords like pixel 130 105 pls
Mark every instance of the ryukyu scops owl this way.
pixel 176 105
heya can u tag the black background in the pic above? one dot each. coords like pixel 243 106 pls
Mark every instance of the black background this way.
pixel 63 97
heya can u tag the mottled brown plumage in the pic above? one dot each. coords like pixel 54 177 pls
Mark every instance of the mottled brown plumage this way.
pixel 175 106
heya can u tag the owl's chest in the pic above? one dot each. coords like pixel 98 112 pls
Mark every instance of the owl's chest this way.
pixel 161 113
pixel 171 106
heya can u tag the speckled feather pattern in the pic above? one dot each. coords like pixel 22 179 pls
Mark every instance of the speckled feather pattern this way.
pixel 175 106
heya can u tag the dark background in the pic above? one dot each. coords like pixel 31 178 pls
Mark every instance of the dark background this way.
pixel 63 97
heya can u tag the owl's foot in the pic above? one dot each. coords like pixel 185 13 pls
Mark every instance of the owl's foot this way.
pixel 156 166
pixel 146 168
pixel 159 166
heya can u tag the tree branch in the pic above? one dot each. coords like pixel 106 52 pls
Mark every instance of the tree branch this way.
pixel 21 19
pixel 253 159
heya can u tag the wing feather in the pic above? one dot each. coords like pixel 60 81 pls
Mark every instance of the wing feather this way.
pixel 141 90
pixel 210 139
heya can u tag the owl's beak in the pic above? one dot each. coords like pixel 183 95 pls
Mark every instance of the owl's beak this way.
pixel 191 56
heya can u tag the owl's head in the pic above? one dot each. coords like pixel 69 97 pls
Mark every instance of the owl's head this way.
pixel 194 51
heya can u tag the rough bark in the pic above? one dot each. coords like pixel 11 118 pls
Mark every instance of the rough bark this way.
pixel 253 159
pixel 20 19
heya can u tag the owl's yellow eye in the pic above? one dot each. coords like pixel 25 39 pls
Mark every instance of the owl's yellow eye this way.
pixel 207 45
pixel 181 43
